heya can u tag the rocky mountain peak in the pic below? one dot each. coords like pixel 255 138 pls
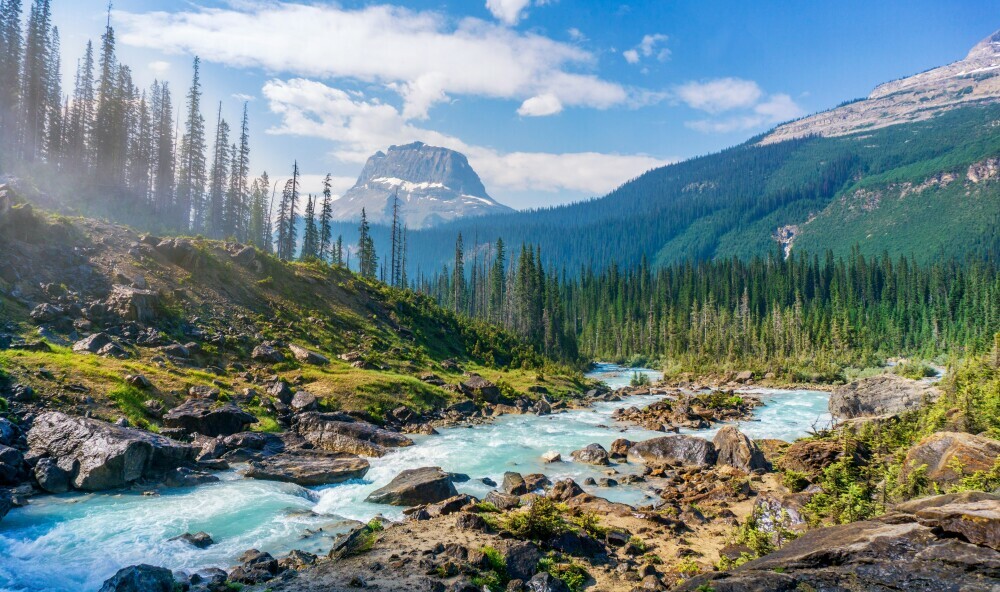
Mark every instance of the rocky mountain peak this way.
pixel 987 48
pixel 434 185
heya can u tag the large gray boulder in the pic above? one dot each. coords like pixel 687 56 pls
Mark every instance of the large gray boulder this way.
pixel 207 417
pixel 735 449
pixel 133 304
pixel 12 467
pixel 674 450
pixel 947 542
pixel 413 487
pixel 9 433
pixel 594 454
pixel 886 394
pixel 104 456
pixel 308 469
pixel 949 456
pixel 307 356
pixel 337 432
pixel 140 578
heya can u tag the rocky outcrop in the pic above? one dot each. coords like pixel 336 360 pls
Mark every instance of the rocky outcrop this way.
pixel 946 457
pixel 92 343
pixel 674 450
pixel 886 394
pixel 338 432
pixel 308 468
pixel 594 454
pixel 103 456
pixel 267 354
pixel 140 578
pixel 735 449
pixel 308 356
pixel 133 304
pixel 811 456
pixel 413 487
pixel 480 389
pixel 947 542
pixel 209 418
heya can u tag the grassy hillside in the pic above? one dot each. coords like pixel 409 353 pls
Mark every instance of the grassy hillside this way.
pixel 224 300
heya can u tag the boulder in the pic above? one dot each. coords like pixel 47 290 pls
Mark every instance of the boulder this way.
pixel 133 304
pixel 521 559
pixel 620 447
pixel 140 578
pixel 565 490
pixel 674 450
pixel 886 394
pixel 308 469
pixel 47 313
pixel 51 477
pixel 593 454
pixel 736 450
pixel 925 545
pixel 480 389
pixel 412 487
pixel 267 354
pixel 103 456
pixel 206 417
pixel 307 356
pixel 12 467
pixel 502 501
pixel 303 401
pixel 9 433
pixel 811 456
pixel 551 457
pixel 255 568
pixel 949 456
pixel 513 484
pixel 338 432
pixel 545 582
pixel 92 343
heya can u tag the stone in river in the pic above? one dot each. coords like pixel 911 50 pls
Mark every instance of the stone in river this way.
pixel 412 487
pixel 309 469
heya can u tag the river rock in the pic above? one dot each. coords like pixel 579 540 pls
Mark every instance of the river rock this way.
pixel 736 450
pixel 9 433
pixel 620 448
pixel 513 484
pixel 206 417
pixel 199 540
pixel 502 501
pixel 12 467
pixel 593 454
pixel 886 394
pixel 551 457
pixel 51 477
pixel 565 490
pixel 255 568
pixel 338 432
pixel 910 548
pixel 308 356
pixel 309 469
pixel 140 578
pixel 103 456
pixel 949 456
pixel 674 450
pixel 412 487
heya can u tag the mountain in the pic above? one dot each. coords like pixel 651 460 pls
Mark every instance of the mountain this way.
pixel 924 182
pixel 974 79
pixel 434 185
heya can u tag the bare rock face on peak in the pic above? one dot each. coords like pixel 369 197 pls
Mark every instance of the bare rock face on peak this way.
pixel 434 185
pixel 973 79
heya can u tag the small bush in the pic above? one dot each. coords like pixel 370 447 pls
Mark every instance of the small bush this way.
pixel 794 480
pixel 570 573
pixel 541 522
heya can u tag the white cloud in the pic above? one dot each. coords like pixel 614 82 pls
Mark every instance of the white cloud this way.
pixel 508 11
pixel 576 35
pixel 647 48
pixel 540 106
pixel 424 56
pixel 159 67
pixel 244 97
pixel 722 94
pixel 358 127
pixel 777 108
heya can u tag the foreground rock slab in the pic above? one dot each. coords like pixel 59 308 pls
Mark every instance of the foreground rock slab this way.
pixel 949 456
pixel 338 432
pixel 104 456
pixel 413 487
pixel 674 450
pixel 140 578
pixel 206 417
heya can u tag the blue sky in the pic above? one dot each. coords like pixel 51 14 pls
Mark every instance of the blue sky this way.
pixel 552 100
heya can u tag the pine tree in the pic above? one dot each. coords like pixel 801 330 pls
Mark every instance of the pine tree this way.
pixel 191 177
pixel 107 119
pixel 497 283
pixel 216 222
pixel 310 238
pixel 81 117
pixel 237 210
pixel 55 122
pixel 11 50
pixel 140 153
pixel 458 276
pixel 394 245
pixel 368 261
pixel 258 228
pixel 287 232
pixel 36 79
pixel 339 253
pixel 325 219
pixel 163 149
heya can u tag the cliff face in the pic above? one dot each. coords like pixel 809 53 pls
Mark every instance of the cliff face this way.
pixel 976 78
pixel 433 184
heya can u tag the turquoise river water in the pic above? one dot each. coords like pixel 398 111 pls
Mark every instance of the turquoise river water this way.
pixel 73 542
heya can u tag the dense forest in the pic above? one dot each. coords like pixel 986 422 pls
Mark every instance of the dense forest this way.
pixel 801 313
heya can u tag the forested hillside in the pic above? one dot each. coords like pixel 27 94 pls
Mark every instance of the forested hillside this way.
pixel 880 191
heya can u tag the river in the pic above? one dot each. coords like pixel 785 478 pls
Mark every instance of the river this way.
pixel 73 542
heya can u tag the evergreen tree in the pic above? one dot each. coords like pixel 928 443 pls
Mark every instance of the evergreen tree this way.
pixel 108 122
pixel 81 116
pixel 287 233
pixel 368 261
pixel 325 219
pixel 497 283
pixel 458 276
pixel 237 210
pixel 10 71
pixel 258 228
pixel 216 222
pixel 163 150
pixel 310 238
pixel 191 177
pixel 55 122
pixel 36 79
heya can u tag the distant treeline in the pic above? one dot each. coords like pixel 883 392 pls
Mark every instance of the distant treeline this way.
pixel 768 312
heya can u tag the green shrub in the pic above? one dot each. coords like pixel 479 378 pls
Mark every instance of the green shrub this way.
pixel 569 572
pixel 541 522
pixel 794 480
